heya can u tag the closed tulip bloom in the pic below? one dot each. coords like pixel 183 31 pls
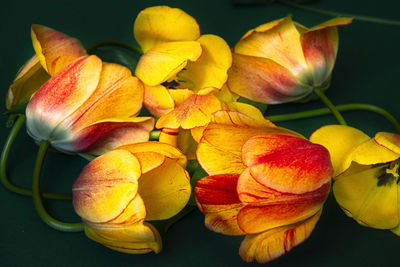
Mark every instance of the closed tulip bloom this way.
pixel 282 61
pixel 54 50
pixel 266 182
pixel 88 106
pixel 120 192
pixel 367 174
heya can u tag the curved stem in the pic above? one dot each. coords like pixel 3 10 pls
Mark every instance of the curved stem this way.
pixel 346 107
pixel 3 165
pixel 37 200
pixel 339 14
pixel 154 135
pixel 330 105
pixel 94 46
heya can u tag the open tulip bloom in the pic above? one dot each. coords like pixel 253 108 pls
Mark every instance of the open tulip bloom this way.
pixel 265 182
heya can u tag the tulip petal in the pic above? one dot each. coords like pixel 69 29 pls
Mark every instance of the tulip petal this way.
pixel 165 190
pixel 164 61
pixel 216 197
pixel 263 80
pixel 29 79
pixel 61 96
pixel 134 239
pixel 211 68
pixel 250 111
pixel 271 244
pixel 280 43
pixel 368 198
pixel 105 135
pixel 106 186
pixel 55 50
pixel 340 140
pixel 389 140
pixel 157 100
pixel 159 24
pixel 320 45
pixel 286 163
pixel 180 138
pixel 195 111
pixel 371 152
pixel 262 28
pixel 180 95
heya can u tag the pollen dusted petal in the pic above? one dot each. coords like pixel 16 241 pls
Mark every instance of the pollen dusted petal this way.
pixel 264 80
pixel 55 49
pixel 271 244
pixel 164 61
pixel 287 163
pixel 340 140
pixel 159 24
pixel 165 190
pixel 106 186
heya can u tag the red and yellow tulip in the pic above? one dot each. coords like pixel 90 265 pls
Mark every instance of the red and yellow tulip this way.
pixel 282 61
pixel 176 56
pixel 118 192
pixel 88 106
pixel 54 50
pixel 367 174
pixel 265 182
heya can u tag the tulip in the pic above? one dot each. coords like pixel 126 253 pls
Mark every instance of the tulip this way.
pixel 54 50
pixel 367 174
pixel 176 56
pixel 88 106
pixel 265 182
pixel 119 192
pixel 282 61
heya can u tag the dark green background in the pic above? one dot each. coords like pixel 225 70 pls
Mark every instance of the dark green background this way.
pixel 367 71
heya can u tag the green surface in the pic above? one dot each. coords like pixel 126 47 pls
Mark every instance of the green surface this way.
pixel 367 71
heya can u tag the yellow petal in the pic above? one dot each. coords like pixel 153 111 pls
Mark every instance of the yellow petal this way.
pixel 271 244
pixel 159 24
pixel 157 100
pixel 262 28
pixel 367 198
pixel 340 140
pixel 164 61
pixel 139 238
pixel 165 190
pixel 211 68
pixel 389 140
pixel 370 152
pixel 226 95
pixel 181 139
pixel 180 95
pixel 252 112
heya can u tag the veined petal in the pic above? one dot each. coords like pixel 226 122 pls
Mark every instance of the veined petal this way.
pixel 287 163
pixel 105 135
pixel 180 138
pixel 280 43
pixel 136 238
pixel 211 68
pixel 369 198
pixel 106 186
pixel 165 190
pixel 29 79
pixel 164 61
pixel 195 111
pixel 251 111
pixel 62 95
pixel 159 24
pixel 271 244
pixel 216 197
pixel 55 50
pixel 389 140
pixel 340 140
pixel 157 100
pixel 320 45
pixel 180 95
pixel 264 80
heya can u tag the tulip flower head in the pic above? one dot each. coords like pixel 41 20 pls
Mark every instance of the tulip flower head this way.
pixel 265 182
pixel 282 61
pixel 119 192
pixel 54 50
pixel 176 56
pixel 367 174
pixel 88 106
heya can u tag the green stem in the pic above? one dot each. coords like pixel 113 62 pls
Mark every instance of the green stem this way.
pixel 37 200
pixel 94 46
pixel 339 14
pixel 330 105
pixel 154 135
pixel 3 166
pixel 347 107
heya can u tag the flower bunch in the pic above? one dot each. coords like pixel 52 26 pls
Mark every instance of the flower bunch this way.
pixel 215 148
